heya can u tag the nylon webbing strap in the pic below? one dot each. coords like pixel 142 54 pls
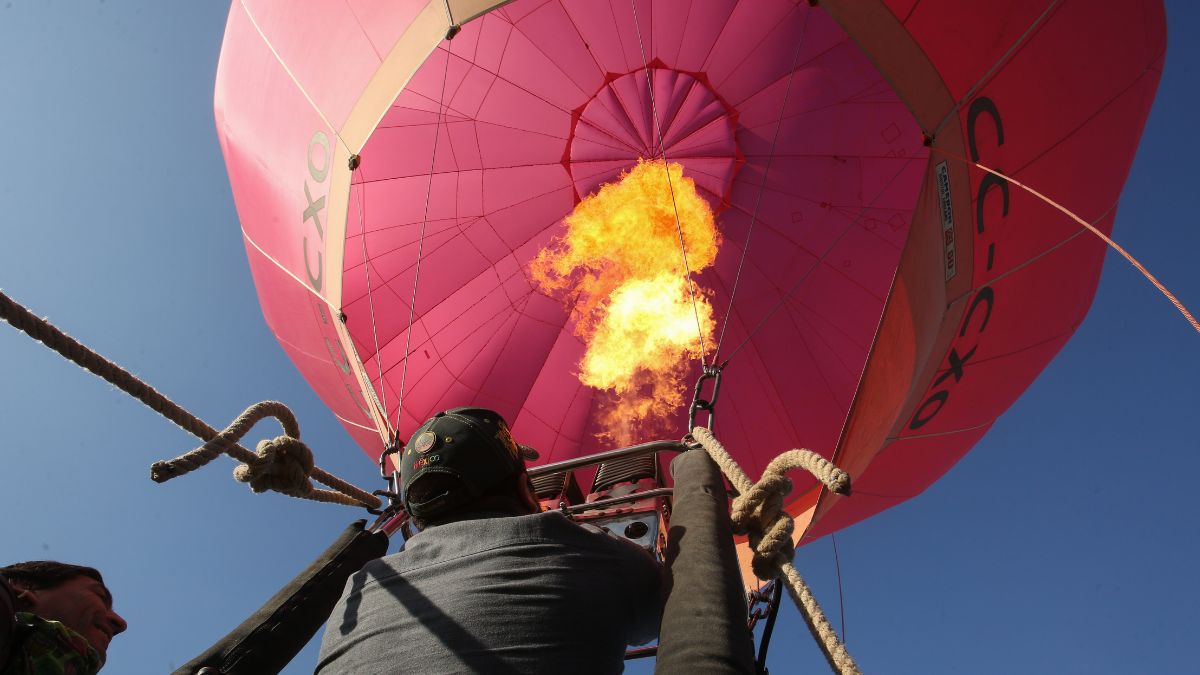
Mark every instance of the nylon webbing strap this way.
pixel 271 637
pixel 704 623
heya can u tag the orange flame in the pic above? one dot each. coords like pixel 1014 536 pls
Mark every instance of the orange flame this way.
pixel 621 267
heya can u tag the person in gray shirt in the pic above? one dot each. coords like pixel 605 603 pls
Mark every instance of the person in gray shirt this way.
pixel 491 583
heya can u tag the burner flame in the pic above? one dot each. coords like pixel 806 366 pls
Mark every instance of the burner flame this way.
pixel 620 268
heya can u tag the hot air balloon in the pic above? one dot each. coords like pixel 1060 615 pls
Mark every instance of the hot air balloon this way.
pixel 882 287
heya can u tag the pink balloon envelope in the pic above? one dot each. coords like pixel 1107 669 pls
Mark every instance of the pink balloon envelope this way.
pixel 892 298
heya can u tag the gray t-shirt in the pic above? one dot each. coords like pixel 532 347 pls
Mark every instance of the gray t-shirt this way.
pixel 515 594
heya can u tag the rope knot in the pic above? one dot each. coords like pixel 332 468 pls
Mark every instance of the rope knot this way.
pixel 759 514
pixel 283 464
pixel 215 442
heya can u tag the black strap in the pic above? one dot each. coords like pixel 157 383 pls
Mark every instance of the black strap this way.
pixel 271 637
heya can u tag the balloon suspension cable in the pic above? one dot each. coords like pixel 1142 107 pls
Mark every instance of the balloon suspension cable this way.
pixel 283 464
pixel 1187 315
pixel 837 565
pixel 662 148
pixel 412 305
pixel 362 233
pixel 762 186
pixel 758 513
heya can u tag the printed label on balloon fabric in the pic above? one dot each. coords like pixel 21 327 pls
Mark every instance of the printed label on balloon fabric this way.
pixel 942 173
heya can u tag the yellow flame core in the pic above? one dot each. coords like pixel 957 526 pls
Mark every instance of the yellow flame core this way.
pixel 621 266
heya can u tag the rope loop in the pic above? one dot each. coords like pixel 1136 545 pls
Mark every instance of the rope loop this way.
pixel 758 513
pixel 284 464
pixel 226 441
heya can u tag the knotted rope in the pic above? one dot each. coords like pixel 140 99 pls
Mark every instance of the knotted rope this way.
pixel 758 513
pixel 286 464
pixel 262 471
pixel 283 464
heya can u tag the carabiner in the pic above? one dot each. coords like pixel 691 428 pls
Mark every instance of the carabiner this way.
pixel 391 476
pixel 713 373
pixel 392 448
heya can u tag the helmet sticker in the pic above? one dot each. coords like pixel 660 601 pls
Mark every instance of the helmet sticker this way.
pixel 424 442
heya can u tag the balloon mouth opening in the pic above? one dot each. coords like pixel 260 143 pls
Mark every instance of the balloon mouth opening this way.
pixel 655 113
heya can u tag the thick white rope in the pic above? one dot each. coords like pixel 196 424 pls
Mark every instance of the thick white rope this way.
pixel 758 513
pixel 284 464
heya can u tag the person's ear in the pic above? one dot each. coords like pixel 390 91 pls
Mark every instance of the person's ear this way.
pixel 528 496
pixel 27 599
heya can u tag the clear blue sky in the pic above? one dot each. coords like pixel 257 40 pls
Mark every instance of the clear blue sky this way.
pixel 1065 542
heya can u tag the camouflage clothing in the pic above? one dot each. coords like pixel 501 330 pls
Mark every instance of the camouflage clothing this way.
pixel 44 647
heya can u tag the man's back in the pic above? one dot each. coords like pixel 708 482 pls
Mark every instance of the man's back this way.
pixel 517 594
